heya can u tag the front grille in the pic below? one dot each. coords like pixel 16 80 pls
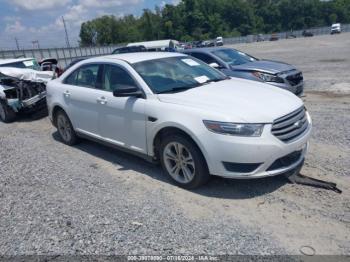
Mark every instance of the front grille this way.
pixel 295 79
pixel 291 126
pixel 299 90
pixel 286 161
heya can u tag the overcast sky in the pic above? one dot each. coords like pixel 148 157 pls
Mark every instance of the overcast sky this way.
pixel 29 20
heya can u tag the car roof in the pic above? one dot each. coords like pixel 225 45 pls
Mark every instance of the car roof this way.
pixel 13 60
pixel 205 49
pixel 133 58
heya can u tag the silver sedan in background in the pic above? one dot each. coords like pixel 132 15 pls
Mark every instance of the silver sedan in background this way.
pixel 238 64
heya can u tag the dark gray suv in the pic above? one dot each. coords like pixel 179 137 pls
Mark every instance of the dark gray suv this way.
pixel 238 64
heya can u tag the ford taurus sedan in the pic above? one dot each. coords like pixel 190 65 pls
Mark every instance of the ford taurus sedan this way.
pixel 176 110
pixel 238 64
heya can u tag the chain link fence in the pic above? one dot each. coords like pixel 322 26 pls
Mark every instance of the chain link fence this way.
pixel 283 35
pixel 66 55
pixel 63 55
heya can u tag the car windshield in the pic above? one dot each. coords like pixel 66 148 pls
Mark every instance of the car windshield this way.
pixel 175 74
pixel 234 57
pixel 30 64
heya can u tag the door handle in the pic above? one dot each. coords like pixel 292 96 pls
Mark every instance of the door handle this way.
pixel 66 93
pixel 102 100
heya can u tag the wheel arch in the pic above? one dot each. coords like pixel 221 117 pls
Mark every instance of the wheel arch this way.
pixel 171 129
pixel 55 110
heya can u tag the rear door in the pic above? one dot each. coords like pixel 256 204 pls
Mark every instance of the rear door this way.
pixel 81 93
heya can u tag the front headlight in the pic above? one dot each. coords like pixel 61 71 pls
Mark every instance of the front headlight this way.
pixel 268 77
pixel 234 129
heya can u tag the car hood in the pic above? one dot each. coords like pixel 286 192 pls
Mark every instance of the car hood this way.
pixel 266 66
pixel 238 100
pixel 27 74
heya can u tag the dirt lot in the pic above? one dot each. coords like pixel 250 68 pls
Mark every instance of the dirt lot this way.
pixel 90 199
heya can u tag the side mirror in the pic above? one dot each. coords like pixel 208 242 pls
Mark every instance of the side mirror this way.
pixel 215 65
pixel 126 90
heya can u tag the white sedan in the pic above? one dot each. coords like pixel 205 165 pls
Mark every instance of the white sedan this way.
pixel 176 110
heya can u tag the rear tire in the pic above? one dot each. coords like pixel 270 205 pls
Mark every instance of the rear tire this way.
pixel 7 114
pixel 183 161
pixel 65 129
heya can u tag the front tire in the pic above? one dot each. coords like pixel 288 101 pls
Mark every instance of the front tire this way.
pixel 65 129
pixel 7 115
pixel 182 160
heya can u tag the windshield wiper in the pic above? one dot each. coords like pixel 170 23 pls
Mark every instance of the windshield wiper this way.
pixel 176 89
pixel 184 88
pixel 214 80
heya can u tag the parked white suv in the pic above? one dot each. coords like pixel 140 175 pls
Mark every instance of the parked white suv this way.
pixel 175 109
pixel 336 29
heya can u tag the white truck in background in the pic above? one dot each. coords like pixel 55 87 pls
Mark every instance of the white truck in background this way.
pixel 159 45
pixel 336 29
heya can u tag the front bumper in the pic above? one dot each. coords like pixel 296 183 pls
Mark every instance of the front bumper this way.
pixel 33 100
pixel 27 104
pixel 293 81
pixel 297 89
pixel 261 151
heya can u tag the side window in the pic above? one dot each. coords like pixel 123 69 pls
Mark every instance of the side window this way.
pixel 84 76
pixel 115 77
pixel 87 76
pixel 72 78
pixel 119 50
pixel 205 58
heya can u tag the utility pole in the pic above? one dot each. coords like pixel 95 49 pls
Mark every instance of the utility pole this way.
pixel 65 29
pixel 67 38
pixel 17 43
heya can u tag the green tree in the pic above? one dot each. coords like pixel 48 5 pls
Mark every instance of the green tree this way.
pixel 203 19
pixel 87 34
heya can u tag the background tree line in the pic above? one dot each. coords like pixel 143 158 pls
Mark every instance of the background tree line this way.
pixel 205 19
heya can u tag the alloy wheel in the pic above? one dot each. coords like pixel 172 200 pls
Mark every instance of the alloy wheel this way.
pixel 179 162
pixel 64 128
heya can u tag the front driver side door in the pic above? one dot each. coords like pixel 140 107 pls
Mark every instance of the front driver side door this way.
pixel 122 119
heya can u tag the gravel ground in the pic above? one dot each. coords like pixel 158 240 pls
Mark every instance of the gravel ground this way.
pixel 90 199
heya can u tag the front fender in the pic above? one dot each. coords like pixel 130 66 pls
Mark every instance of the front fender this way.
pixel 51 108
pixel 169 124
